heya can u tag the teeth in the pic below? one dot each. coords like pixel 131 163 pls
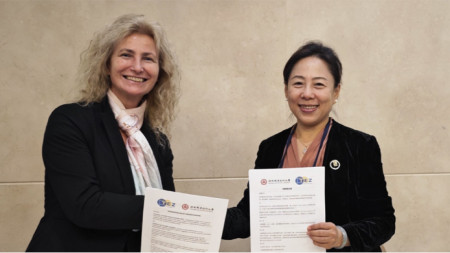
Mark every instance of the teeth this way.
pixel 309 106
pixel 136 79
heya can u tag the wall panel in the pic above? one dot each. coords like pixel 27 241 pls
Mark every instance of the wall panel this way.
pixel 232 53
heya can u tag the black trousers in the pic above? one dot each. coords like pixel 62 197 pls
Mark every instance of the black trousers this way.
pixel 133 242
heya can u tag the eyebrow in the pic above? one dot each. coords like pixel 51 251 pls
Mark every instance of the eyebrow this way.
pixel 314 78
pixel 132 51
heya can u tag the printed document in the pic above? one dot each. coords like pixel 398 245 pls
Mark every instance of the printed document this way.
pixel 179 222
pixel 283 203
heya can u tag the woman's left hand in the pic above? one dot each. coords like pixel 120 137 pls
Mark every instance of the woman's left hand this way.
pixel 325 235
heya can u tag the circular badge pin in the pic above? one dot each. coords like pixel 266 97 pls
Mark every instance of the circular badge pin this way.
pixel 335 164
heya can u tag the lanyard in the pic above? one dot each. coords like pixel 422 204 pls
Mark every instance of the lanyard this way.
pixel 288 142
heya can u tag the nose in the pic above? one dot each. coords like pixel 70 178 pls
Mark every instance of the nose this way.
pixel 137 66
pixel 308 92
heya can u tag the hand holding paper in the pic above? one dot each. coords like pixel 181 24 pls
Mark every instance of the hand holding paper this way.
pixel 283 203
pixel 175 222
pixel 325 235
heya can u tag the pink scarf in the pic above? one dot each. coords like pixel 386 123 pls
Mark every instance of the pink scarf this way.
pixel 291 158
pixel 140 154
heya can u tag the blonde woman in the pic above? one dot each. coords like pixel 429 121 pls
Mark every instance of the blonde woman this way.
pixel 102 152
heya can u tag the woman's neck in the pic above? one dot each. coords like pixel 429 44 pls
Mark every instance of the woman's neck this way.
pixel 306 134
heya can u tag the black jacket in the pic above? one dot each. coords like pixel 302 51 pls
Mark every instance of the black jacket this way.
pixel 355 194
pixel 90 201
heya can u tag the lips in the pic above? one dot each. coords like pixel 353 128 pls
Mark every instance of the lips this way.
pixel 308 108
pixel 135 79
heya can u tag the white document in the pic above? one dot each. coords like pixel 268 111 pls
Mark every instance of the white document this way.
pixel 179 222
pixel 283 203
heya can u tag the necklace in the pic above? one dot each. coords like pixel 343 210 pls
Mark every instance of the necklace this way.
pixel 306 147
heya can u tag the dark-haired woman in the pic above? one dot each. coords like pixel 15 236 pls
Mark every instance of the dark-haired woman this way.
pixel 359 211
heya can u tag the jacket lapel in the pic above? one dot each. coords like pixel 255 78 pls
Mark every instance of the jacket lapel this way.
pixel 336 177
pixel 162 156
pixel 117 145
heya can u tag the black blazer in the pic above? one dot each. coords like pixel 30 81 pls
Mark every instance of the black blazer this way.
pixel 355 194
pixel 90 201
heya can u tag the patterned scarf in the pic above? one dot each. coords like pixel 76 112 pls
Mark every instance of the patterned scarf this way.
pixel 142 160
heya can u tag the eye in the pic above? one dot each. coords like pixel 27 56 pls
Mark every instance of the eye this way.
pixel 319 85
pixel 125 55
pixel 297 83
pixel 149 59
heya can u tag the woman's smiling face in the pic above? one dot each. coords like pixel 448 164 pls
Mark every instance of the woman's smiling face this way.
pixel 310 92
pixel 134 68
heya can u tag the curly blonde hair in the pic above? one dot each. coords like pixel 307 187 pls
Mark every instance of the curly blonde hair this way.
pixel 93 71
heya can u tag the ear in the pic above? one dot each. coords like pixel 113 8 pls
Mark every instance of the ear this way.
pixel 337 90
pixel 286 91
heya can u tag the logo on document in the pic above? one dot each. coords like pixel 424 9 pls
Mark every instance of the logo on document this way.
pixel 185 206
pixel 303 180
pixel 201 209
pixel 275 181
pixel 164 202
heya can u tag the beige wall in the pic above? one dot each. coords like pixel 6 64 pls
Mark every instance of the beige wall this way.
pixel 395 56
